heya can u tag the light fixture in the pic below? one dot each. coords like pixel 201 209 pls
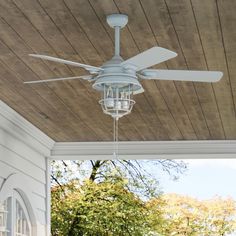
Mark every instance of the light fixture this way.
pixel 116 101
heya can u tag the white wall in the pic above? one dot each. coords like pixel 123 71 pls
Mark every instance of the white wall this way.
pixel 23 165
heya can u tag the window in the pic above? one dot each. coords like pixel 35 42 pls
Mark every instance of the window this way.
pixel 14 218
pixel 3 219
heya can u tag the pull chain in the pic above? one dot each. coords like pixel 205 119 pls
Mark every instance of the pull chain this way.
pixel 115 137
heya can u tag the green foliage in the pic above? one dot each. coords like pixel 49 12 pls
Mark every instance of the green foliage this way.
pixel 140 181
pixel 103 209
pixel 119 198
pixel 183 215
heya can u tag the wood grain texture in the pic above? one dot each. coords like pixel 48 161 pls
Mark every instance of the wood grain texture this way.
pixel 191 44
pixel 202 33
pixel 164 31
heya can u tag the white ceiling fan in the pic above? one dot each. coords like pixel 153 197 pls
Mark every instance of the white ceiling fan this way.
pixel 118 79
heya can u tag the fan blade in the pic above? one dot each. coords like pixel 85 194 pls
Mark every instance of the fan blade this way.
pixel 149 58
pixel 85 77
pixel 92 69
pixel 141 90
pixel 182 75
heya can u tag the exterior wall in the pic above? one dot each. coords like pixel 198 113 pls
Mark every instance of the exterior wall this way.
pixel 23 166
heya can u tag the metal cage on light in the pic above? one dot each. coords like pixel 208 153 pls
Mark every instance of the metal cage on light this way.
pixel 117 93
pixel 117 101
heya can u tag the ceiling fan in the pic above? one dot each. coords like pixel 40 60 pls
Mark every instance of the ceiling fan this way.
pixel 118 80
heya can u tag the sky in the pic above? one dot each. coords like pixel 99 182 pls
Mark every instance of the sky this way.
pixel 204 179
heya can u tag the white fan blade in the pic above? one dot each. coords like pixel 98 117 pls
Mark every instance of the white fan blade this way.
pixel 182 75
pixel 149 58
pixel 92 69
pixel 141 90
pixel 85 77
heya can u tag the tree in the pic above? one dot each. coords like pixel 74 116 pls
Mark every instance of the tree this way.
pixel 140 180
pixel 183 215
pixel 220 216
pixel 104 197
pixel 103 209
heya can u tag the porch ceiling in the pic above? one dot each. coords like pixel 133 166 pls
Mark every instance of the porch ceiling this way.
pixel 203 33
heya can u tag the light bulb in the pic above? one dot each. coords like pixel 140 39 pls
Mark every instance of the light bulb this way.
pixel 109 102
pixel 125 105
pixel 117 105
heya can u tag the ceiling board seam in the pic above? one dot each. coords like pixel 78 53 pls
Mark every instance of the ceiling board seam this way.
pixel 204 54
pixel 33 72
pixel 137 110
pixel 56 54
pixel 186 62
pixel 177 36
pixel 95 47
pixel 163 97
pixel 60 32
pixel 66 66
pixel 92 43
pixel 82 60
pixel 165 129
pixel 127 117
pixel 154 81
pixel 101 23
pixel 168 10
pixel 32 106
pixel 32 87
pixel 25 111
pixel 226 59
pixel 83 31
pixel 43 62
pixel 128 28
pixel 54 50
pixel 168 68
pixel 18 77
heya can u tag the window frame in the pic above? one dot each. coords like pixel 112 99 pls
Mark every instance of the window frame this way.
pixel 11 223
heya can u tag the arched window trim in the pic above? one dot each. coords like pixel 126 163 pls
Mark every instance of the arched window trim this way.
pixel 16 183
pixel 18 198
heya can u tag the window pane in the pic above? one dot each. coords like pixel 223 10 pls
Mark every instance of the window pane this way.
pixel 22 226
pixel 3 218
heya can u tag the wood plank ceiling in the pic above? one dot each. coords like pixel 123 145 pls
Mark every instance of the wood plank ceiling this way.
pixel 203 33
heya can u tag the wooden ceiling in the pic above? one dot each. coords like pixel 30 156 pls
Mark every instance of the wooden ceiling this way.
pixel 203 33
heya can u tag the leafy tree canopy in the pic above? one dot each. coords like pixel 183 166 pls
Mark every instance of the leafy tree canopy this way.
pixel 119 198
pixel 184 215
pixel 106 208
pixel 105 197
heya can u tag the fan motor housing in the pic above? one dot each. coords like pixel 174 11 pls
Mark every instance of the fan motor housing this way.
pixel 117 80
pixel 116 75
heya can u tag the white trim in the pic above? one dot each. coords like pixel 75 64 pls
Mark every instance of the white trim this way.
pixel 15 124
pixel 19 127
pixel 48 196
pixel 18 182
pixel 18 198
pixel 145 150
